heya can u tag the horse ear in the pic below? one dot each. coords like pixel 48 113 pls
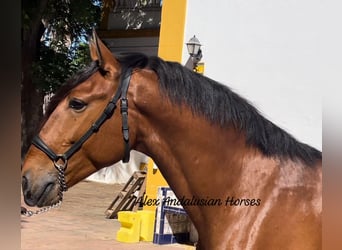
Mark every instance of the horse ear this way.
pixel 99 51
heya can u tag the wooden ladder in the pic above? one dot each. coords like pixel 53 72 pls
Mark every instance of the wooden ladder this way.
pixel 126 199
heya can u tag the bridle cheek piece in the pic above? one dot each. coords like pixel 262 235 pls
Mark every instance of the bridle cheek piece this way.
pixel 60 161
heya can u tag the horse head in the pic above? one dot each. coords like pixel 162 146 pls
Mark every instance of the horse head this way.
pixel 74 128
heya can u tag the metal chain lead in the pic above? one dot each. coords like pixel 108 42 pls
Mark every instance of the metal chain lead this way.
pixel 61 176
pixel 62 188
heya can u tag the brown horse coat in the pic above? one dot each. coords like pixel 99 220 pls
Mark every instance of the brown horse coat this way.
pixel 209 143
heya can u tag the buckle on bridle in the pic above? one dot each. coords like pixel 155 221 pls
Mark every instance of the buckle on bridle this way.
pixel 60 162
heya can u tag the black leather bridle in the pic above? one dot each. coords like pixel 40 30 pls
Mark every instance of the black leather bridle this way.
pixel 61 160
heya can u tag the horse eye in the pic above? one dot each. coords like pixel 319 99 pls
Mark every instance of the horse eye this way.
pixel 77 104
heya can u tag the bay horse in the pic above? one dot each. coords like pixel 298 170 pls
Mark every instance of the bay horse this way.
pixel 209 143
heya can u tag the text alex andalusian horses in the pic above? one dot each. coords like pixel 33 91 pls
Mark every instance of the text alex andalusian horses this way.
pixel 245 183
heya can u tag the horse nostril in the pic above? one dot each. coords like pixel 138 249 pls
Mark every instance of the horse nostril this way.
pixel 24 183
pixel 26 191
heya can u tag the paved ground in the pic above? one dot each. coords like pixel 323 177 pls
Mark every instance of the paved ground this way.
pixel 80 224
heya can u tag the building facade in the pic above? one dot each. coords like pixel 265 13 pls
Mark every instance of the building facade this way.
pixel 263 50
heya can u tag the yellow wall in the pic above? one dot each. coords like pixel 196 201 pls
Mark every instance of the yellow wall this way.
pixel 153 181
pixel 171 42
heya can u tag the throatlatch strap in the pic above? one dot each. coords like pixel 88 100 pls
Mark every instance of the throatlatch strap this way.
pixel 124 114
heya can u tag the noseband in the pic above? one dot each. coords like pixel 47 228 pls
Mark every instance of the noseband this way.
pixel 60 161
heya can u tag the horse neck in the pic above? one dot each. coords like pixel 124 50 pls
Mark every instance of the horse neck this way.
pixel 190 151
pixel 203 160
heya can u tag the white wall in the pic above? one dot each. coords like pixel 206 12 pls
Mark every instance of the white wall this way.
pixel 267 51
pixel 119 172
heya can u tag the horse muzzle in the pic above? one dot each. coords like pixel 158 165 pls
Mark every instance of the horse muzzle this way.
pixel 39 191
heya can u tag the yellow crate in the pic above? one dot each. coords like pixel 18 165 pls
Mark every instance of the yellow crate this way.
pixel 129 231
pixel 146 225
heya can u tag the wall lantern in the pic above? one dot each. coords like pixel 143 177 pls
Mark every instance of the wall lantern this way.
pixel 195 52
pixel 194 47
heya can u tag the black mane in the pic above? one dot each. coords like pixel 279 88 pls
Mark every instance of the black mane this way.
pixel 216 102
pixel 219 105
